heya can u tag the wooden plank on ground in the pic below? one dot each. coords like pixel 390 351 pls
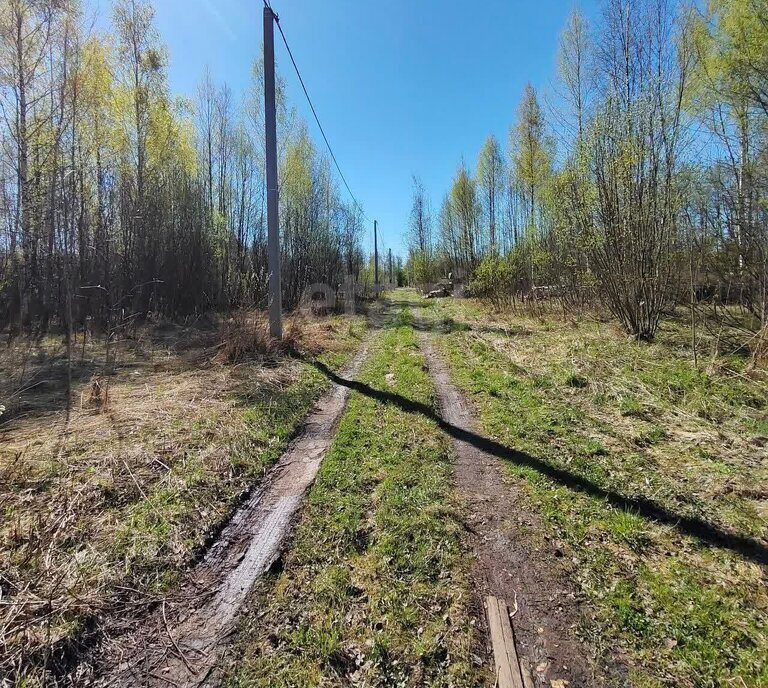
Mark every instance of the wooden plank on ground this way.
pixel 525 669
pixel 508 674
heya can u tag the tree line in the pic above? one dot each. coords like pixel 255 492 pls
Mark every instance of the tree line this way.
pixel 641 183
pixel 119 199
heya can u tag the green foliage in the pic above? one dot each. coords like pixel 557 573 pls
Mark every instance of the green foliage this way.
pixel 502 279
pixel 465 208
pixel 733 64
pixel 532 148
pixel 491 176
pixel 423 267
pixel 495 279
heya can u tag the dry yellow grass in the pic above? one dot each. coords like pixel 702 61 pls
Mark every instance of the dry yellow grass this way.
pixel 103 504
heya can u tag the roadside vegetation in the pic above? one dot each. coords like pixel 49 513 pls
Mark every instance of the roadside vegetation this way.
pixel 106 500
pixel 374 588
pixel 617 246
pixel 640 421
pixel 119 197
pixel 636 183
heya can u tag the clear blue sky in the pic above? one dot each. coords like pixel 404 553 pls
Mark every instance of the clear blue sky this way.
pixel 402 87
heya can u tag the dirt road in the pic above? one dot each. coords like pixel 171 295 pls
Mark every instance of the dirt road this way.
pixel 189 642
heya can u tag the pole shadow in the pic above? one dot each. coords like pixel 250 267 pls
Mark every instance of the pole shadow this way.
pixel 707 533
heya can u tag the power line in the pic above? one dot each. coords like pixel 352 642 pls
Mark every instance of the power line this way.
pixel 312 107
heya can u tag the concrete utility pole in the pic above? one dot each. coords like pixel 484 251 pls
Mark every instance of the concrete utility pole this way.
pixel 375 259
pixel 273 228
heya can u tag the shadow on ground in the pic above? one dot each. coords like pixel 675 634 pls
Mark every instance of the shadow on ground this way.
pixel 708 533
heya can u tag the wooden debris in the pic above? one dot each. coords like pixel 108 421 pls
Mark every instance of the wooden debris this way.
pixel 525 670
pixel 508 671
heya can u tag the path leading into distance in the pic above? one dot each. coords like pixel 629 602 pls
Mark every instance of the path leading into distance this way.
pixel 185 642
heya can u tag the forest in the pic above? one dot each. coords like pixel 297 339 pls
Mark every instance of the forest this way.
pixel 121 200
pixel 637 182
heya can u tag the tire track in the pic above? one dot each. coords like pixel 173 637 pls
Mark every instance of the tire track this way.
pixel 182 644
pixel 511 562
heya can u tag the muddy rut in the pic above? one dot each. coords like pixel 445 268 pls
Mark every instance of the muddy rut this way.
pixel 183 643
pixel 511 562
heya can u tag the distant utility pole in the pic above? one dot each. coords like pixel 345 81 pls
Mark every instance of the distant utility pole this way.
pixel 375 259
pixel 273 228
pixel 390 268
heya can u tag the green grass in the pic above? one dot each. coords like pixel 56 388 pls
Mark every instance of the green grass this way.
pixel 637 420
pixel 374 587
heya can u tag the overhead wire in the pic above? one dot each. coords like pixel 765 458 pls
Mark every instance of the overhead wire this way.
pixel 314 112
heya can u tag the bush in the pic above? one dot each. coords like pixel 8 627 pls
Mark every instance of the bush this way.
pixel 245 336
pixel 495 280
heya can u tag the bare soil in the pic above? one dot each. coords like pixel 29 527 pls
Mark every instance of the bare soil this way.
pixel 512 560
